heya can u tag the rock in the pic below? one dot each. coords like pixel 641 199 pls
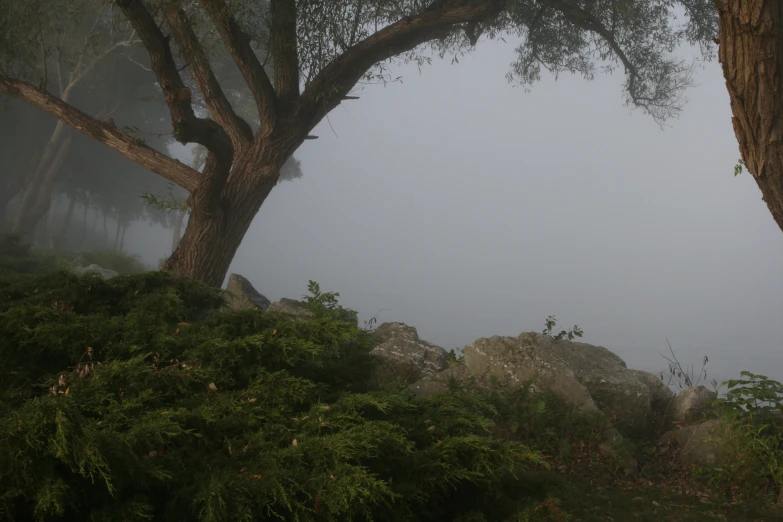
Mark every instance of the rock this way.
pixel 240 295
pixel 691 405
pixel 405 355
pixel 291 307
pixel 703 443
pixel 589 377
pixel 661 396
pixel 95 269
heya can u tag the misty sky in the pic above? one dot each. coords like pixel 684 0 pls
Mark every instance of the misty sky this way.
pixel 468 208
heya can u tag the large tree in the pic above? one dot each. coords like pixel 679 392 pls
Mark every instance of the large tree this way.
pixel 751 54
pixel 318 51
pixel 91 64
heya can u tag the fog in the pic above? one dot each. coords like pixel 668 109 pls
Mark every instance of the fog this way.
pixel 466 207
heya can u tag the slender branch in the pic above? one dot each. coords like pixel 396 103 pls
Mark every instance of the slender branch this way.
pixel 187 127
pixel 105 133
pixel 333 83
pixel 219 107
pixel 238 44
pixel 78 76
pixel 285 54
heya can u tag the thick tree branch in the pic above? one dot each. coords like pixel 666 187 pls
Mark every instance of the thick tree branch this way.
pixel 284 50
pixel 192 51
pixel 187 127
pixel 335 80
pixel 238 44
pixel 105 133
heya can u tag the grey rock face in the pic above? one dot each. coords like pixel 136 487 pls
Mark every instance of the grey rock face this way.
pixel 590 377
pixel 241 295
pixel 405 355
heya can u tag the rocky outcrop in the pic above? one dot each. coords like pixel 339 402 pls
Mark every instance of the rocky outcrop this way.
pixel 404 355
pixel 589 377
pixel 241 295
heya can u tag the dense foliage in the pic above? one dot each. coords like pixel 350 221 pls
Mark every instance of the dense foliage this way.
pixel 138 398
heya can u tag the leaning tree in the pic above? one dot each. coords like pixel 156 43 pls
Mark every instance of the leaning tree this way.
pixel 317 52
pixel 751 54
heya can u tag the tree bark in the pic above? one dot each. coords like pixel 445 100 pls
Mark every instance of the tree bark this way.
pixel 751 55
pixel 213 235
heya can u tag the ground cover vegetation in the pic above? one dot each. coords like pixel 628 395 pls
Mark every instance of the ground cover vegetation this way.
pixel 140 398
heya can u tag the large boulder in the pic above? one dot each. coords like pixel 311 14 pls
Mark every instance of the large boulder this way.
pixel 403 354
pixel 240 295
pixel 691 405
pixel 589 377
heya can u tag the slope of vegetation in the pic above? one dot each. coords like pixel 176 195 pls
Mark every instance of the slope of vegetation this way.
pixel 140 398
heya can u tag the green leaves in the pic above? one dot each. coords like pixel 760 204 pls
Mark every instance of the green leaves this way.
pixel 738 167
pixel 551 323
pixel 756 395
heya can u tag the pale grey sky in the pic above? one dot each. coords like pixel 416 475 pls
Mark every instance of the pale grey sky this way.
pixel 470 208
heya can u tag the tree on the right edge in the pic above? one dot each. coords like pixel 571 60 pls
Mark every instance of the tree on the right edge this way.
pixel 750 51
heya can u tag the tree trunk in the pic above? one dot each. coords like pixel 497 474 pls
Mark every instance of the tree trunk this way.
pixel 37 195
pixel 751 54
pixel 61 236
pixel 213 235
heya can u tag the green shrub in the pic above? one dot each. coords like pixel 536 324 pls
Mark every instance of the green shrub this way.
pixel 135 398
pixel 752 463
